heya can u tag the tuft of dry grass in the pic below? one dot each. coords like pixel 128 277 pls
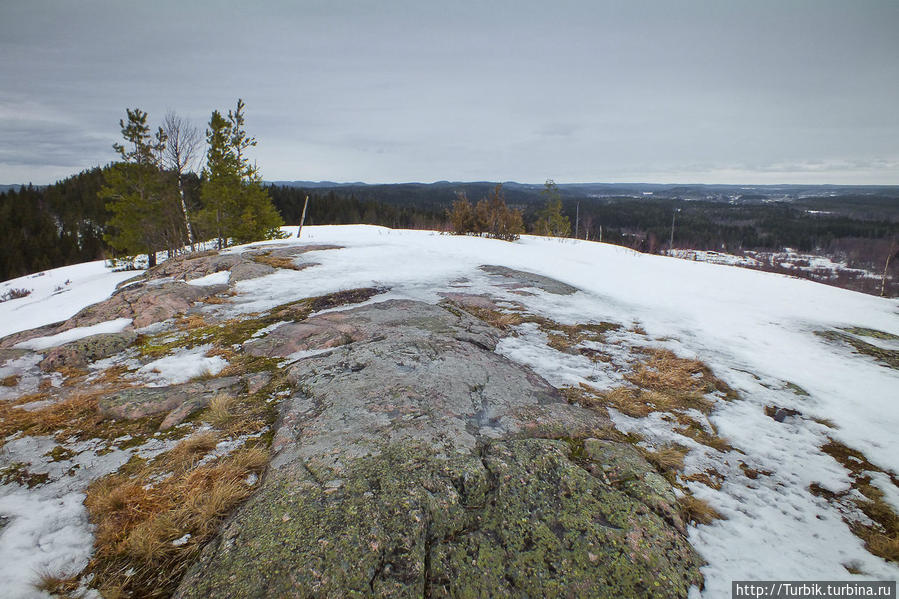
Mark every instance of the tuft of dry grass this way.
pixel 666 372
pixel 72 375
pixel 710 478
pixel 698 510
pixel 277 261
pixel 187 452
pixel 79 408
pixel 494 317
pixel 221 298
pixel 138 517
pixel 57 584
pixel 694 430
pixel 667 459
pixel 10 381
pixel 882 536
pixel 752 472
pixel 190 322
pixel 222 411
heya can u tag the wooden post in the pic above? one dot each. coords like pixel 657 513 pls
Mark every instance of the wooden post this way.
pixel 303 218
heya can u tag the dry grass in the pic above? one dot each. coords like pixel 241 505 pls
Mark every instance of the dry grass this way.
pixel 752 472
pixel 72 375
pixel 81 408
pixel 222 298
pixel 112 376
pixel 76 416
pixel 698 510
pixel 694 430
pixel 137 520
pixel 566 338
pixel 494 317
pixel 667 373
pixel 10 381
pixel 57 584
pixel 189 322
pixel 710 478
pixel 882 537
pixel 277 262
pixel 668 459
pixel 881 533
pixel 187 452
pixel 221 411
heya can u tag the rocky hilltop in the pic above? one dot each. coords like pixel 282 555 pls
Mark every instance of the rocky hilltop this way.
pixel 221 426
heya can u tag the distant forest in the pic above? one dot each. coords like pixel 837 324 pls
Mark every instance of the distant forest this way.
pixel 64 223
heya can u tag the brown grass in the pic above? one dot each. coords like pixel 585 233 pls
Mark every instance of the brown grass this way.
pixel 710 478
pixel 189 322
pixel 694 430
pixel 221 411
pixel 277 262
pixel 61 415
pixel 61 585
pixel 882 537
pixel 137 520
pixel 76 416
pixel 112 376
pixel 10 381
pixel 881 534
pixel 698 510
pixel 752 472
pixel 494 317
pixel 667 373
pixel 222 298
pixel 667 459
pixel 72 375
pixel 187 452
pixel 566 337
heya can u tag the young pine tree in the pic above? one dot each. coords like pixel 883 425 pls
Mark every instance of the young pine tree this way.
pixel 235 205
pixel 551 221
pixel 140 196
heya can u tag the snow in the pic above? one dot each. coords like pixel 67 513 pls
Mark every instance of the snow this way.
pixel 755 330
pixel 109 326
pixel 47 528
pixel 216 278
pixel 182 366
pixel 737 320
pixel 57 294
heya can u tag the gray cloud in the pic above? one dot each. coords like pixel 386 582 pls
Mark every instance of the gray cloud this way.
pixel 393 91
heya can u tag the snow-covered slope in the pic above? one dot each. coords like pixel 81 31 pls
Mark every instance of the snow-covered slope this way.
pixel 757 331
pixel 57 294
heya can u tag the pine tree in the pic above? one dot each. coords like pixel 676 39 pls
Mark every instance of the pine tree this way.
pixel 140 195
pixel 551 221
pixel 236 206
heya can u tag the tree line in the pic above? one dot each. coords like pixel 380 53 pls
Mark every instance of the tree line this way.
pixel 91 215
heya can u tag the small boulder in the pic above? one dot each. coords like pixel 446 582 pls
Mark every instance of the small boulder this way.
pixel 78 354
pixel 179 401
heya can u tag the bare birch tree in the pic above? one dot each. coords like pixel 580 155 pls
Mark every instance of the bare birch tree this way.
pixel 182 153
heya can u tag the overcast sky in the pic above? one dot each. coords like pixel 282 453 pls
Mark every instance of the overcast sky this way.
pixel 714 91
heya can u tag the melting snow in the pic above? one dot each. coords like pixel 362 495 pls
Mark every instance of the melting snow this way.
pixel 216 278
pixel 110 326
pixel 182 366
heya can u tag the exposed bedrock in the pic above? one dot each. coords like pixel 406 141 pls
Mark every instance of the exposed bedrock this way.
pixel 412 460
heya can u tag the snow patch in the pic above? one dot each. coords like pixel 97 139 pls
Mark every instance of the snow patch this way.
pixel 182 366
pixel 216 278
pixel 109 326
